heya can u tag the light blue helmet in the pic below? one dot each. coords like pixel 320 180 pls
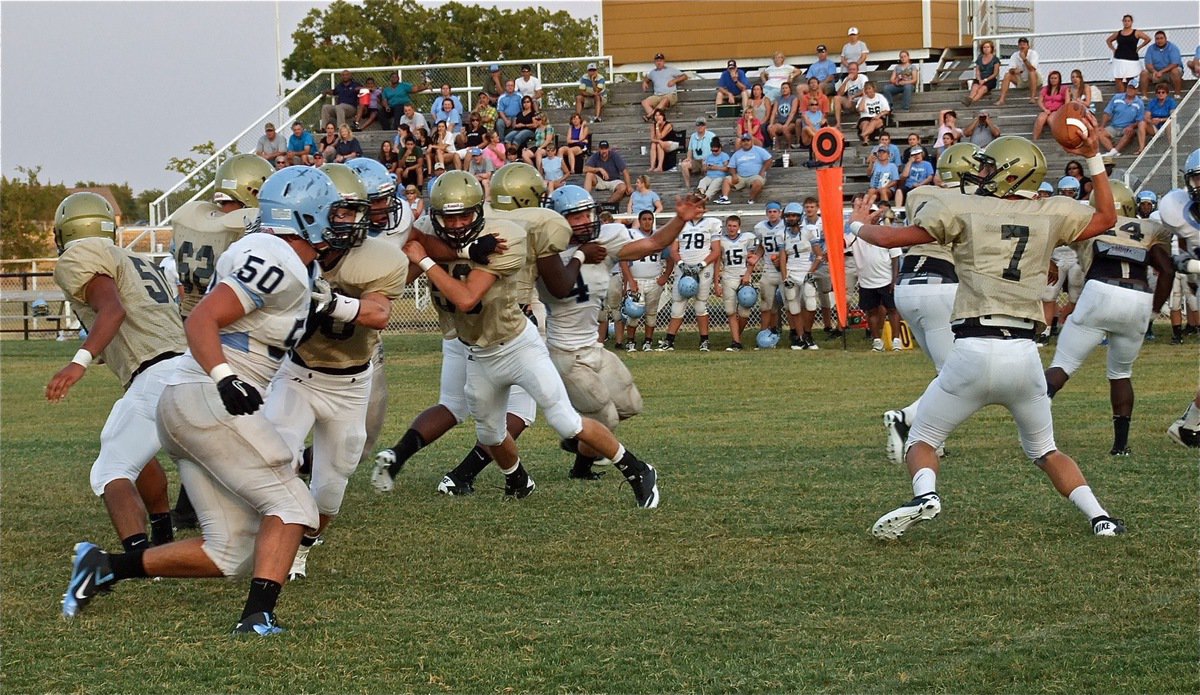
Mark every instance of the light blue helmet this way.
pixel 1191 176
pixel 766 340
pixel 571 199
pixel 747 297
pixel 1068 183
pixel 1147 196
pixel 793 209
pixel 688 287
pixel 300 201
pixel 633 307
pixel 381 185
pixel 1046 188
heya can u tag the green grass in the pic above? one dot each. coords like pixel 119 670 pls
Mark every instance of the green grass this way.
pixel 757 573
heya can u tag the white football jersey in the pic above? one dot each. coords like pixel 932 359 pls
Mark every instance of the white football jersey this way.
pixel 798 247
pixel 695 241
pixel 275 289
pixel 647 267
pixel 771 240
pixel 614 228
pixel 572 322
pixel 735 252
pixel 1175 209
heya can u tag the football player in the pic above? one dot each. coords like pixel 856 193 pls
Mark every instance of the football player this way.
pixel 620 284
pixel 650 273
pixel 734 268
pixel 1115 304
pixel 799 257
pixel 128 310
pixel 503 346
pixel 1064 273
pixel 238 470
pixel 599 385
pixel 1180 211
pixel 201 231
pixel 695 252
pixel 1001 240
pixel 925 295
pixel 770 241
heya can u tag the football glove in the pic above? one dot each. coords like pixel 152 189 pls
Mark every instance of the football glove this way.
pixel 239 397
pixel 480 249
pixel 789 283
pixel 322 297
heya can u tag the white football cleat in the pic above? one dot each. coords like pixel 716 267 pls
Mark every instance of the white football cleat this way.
pixel 893 524
pixel 1107 526
pixel 381 478
pixel 897 435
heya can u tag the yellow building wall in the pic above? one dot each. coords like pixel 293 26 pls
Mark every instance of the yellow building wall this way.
pixel 687 31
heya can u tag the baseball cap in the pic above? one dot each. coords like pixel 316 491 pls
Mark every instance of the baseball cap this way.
pixel 746 136
pixel 494 68
pixel 659 56
pixel 821 47
pixel 731 64
pixel 773 206
pixel 591 66
pixel 604 144
pixel 318 153
pixel 882 148
pixel 701 121
pixel 916 150
pixel 475 151
pixel 269 126
pixel 853 31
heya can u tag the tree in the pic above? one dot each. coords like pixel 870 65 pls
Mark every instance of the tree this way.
pixel 385 32
pixel 27 214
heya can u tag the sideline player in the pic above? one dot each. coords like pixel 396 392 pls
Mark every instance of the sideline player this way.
pixel 695 252
pixel 240 473
pixel 650 275
pixel 504 347
pixel 1001 240
pixel 770 241
pixel 128 309
pixel 734 266
pixel 1115 304
pixel 801 254
pixel 1180 211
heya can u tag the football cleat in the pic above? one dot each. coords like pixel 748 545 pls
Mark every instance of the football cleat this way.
pixel 381 475
pixel 893 524
pixel 877 345
pixel 518 485
pixel 734 347
pixel 897 435
pixel 704 345
pixel 262 624
pixel 810 344
pixel 455 488
pixel 1107 526
pixel 664 346
pixel 91 574
pixel 645 487
pixel 646 347
pixel 897 346
pixel 300 563
pixel 1125 451
pixel 630 346
pixel 1182 435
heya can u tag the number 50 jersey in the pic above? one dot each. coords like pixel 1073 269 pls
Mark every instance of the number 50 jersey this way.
pixel 200 234
pixel 151 326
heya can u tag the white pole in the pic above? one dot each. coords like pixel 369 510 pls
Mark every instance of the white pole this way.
pixel 278 66
pixel 927 23
pixel 600 32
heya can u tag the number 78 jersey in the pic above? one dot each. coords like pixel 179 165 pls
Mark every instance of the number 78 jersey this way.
pixel 151 326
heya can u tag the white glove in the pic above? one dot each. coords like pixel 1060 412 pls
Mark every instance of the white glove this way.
pixel 322 296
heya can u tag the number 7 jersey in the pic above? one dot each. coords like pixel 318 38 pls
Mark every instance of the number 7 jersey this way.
pixel 151 326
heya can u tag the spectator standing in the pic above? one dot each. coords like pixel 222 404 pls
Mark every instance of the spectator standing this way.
pixel 1164 63
pixel 591 87
pixel 497 79
pixel 643 197
pixel 698 149
pixel 825 71
pixel 748 167
pixel 733 86
pixel 873 110
pixel 301 145
pixel 508 106
pixel 1123 118
pixel 848 93
pixel 1159 110
pixel 917 172
pixel 877 270
pixel 397 95
pixel 345 101
pixel 605 170
pixel 854 51
pixel 664 81
pixel 781 126
pixel 902 81
pixel 528 85
pixel 983 129
pixel 1022 70
pixel 987 73
pixel 662 140
pixel 523 127
pixel 885 176
pixel 348 146
pixel 716 174
pixel 1126 43
pixel 1050 99
pixel 369 99
pixel 751 127
pixel 271 144
pixel 577 141
pixel 776 74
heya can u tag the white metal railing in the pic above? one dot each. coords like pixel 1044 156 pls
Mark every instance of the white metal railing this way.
pixel 993 16
pixel 1183 130
pixel 302 104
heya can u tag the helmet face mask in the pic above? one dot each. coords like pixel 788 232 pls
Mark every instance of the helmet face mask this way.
pixel 1009 166
pixel 571 202
pixel 1191 176
pixel 240 178
pixel 518 185
pixel 300 201
pixel 382 193
pixel 456 208
pixel 81 215
pixel 348 224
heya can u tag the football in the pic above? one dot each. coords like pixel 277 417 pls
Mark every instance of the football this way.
pixel 1069 124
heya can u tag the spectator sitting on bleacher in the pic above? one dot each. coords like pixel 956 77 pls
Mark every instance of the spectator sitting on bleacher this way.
pixel 698 148
pixel 398 94
pixel 301 145
pixel 444 92
pixel 415 121
pixel 348 146
pixel 781 126
pixel 319 159
pixel 643 197
pixel 577 141
pixel 543 134
pixel 947 122
pixel 776 74
pixel 812 119
pixel 716 174
pixel 605 170
pixel 328 142
pixel 733 86
pixel 1164 63
pixel 917 172
pixel 825 71
pixel 508 106
pixel 914 140
pixel 473 136
pixel 485 111
pixel 662 140
pixel 885 140
pixel 345 104
pixel 987 73
pixel 885 175
pixel 873 109
pixel 270 144
pixel 409 171
pixel 413 195
pixel 448 114
pixel 522 128
pixel 665 84
pixel 369 98
pixel 480 167
pixel 748 167
pixel 281 162
pixel 814 91
pixel 1050 99
pixel 1159 110
pixel 591 86
pixel 948 138
pixel 1022 70
pixel 441 151
pixel 982 130
pixel 388 157
pixel 848 92
pixel 550 164
pixel 1194 63
pixel 495 149
pixel 1075 169
pixel 749 125
pixel 1079 90
pixel 1123 119
pixel 854 51
pixel 528 85
pixel 902 81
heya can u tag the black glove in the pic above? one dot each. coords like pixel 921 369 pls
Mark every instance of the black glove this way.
pixel 481 248
pixel 239 397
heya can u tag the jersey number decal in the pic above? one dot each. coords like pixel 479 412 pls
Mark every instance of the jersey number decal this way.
pixel 458 272
pixel 1133 229
pixel 196 266
pixel 694 240
pixel 156 284
pixel 268 279
pixel 1021 234
pixel 735 257
pixel 579 291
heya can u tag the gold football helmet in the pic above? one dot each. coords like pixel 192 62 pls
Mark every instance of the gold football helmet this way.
pixel 240 178
pixel 957 160
pixel 517 185
pixel 82 215
pixel 344 235
pixel 1009 166
pixel 1122 198
pixel 456 193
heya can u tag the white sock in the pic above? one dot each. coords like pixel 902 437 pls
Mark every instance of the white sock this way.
pixel 1088 504
pixel 910 413
pixel 512 470
pixel 924 482
pixel 620 452
pixel 1191 417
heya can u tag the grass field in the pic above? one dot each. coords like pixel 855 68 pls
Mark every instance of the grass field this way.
pixel 757 574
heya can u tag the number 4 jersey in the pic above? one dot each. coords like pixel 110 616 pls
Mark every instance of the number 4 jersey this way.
pixel 572 322
pixel 200 234
pixel 151 326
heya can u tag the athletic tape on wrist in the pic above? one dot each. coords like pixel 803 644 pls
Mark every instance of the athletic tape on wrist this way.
pixel 579 256
pixel 425 264
pixel 345 309
pixel 855 226
pixel 1094 165
pixel 83 358
pixel 220 372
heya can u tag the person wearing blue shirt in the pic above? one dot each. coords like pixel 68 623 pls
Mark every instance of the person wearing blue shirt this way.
pixel 1163 63
pixel 749 167
pixel 508 107
pixel 716 174
pixel 824 70
pixel 699 146
pixel 733 85
pixel 917 172
pixel 345 104
pixel 1123 118
pixel 301 145
pixel 396 95
pixel 1159 109
pixel 885 176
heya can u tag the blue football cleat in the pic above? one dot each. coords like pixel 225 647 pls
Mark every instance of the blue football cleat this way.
pixel 90 574
pixel 262 624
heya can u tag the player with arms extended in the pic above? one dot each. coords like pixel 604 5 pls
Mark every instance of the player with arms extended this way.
pixel 1180 211
pixel 1001 239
